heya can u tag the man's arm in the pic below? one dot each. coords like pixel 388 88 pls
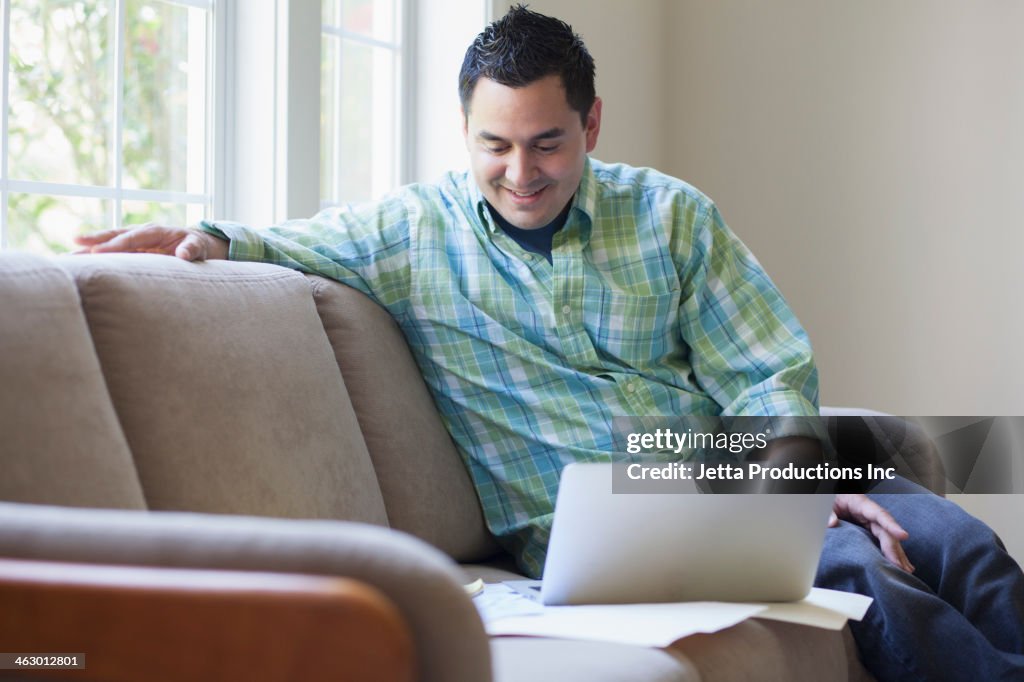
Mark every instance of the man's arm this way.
pixel 184 243
pixel 364 246
pixel 753 357
pixel 855 508
pixel 796 450
pixel 747 349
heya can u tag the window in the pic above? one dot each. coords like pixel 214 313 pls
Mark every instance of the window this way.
pixel 106 117
pixel 118 112
pixel 361 99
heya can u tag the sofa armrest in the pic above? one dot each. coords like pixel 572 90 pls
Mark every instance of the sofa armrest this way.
pixel 423 584
pixel 867 437
pixel 168 624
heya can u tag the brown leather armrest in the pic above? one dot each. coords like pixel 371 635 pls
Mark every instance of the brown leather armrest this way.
pixel 164 624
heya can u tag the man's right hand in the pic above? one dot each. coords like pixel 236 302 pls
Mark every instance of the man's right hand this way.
pixel 171 241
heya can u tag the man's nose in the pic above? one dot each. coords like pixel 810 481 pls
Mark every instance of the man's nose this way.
pixel 520 170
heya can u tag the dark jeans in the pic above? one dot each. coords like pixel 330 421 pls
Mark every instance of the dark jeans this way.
pixel 960 616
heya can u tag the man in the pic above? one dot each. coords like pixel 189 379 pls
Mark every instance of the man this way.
pixel 546 293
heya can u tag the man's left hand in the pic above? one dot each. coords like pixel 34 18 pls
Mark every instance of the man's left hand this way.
pixel 860 509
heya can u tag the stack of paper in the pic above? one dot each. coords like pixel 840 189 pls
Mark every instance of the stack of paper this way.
pixel 506 611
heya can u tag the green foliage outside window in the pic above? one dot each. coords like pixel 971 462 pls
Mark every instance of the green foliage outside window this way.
pixel 62 117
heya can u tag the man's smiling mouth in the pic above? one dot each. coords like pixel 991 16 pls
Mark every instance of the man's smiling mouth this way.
pixel 524 195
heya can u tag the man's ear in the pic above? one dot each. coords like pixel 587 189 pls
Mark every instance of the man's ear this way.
pixel 593 127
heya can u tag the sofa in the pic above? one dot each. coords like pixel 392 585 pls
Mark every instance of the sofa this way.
pixel 220 463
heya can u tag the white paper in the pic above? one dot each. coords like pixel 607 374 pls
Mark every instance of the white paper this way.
pixel 654 625
pixel 822 608
pixel 507 612
pixel 501 601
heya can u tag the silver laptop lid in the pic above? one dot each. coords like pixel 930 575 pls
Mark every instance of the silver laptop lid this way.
pixel 610 548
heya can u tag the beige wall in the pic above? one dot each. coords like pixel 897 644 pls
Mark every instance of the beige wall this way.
pixel 872 156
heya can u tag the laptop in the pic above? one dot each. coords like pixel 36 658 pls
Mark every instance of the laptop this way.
pixel 622 548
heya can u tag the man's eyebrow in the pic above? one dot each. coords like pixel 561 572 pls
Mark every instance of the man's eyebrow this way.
pixel 549 134
pixel 546 135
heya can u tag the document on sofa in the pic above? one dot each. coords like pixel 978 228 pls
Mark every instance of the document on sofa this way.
pixel 829 609
pixel 505 611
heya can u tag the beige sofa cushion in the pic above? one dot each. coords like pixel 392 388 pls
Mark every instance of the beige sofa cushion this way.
pixel 60 442
pixel 426 488
pixel 226 388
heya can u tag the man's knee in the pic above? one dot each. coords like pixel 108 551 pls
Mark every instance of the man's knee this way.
pixel 939 526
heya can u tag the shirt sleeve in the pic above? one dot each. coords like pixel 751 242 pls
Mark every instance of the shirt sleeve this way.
pixel 364 246
pixel 748 351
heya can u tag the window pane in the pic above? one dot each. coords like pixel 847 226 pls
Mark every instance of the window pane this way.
pixel 164 138
pixel 194 213
pixel 329 93
pixel 140 212
pixel 46 224
pixel 367 122
pixel 61 90
pixel 374 18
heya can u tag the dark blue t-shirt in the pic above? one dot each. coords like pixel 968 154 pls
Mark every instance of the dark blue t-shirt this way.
pixel 537 240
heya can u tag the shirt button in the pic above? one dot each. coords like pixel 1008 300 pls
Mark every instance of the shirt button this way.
pixel 528 256
pixel 630 388
pixel 566 309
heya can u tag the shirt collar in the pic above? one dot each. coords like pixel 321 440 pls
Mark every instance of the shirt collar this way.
pixel 476 200
pixel 584 203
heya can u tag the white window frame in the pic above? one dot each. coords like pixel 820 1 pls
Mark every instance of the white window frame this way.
pixel 115 192
pixel 271 111
pixel 279 178
pixel 403 48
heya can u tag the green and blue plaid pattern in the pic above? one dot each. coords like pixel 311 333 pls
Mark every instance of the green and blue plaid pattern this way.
pixel 651 307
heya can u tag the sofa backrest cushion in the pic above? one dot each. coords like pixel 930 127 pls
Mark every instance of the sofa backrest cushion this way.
pixel 426 488
pixel 226 388
pixel 60 441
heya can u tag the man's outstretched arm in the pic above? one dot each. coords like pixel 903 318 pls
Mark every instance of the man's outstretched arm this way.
pixel 184 243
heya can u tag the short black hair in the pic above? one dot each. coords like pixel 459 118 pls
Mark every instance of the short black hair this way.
pixel 523 47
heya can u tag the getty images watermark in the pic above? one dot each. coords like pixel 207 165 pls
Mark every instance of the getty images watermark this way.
pixel 755 471
pixel 854 453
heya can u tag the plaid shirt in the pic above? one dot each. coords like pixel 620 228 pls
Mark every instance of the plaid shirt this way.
pixel 651 307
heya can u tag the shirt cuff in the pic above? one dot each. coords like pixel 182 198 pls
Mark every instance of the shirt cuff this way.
pixel 244 243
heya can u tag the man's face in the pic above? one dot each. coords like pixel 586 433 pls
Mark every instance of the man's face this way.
pixel 527 148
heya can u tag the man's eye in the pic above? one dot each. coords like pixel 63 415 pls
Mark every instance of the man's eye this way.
pixel 547 150
pixel 497 150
